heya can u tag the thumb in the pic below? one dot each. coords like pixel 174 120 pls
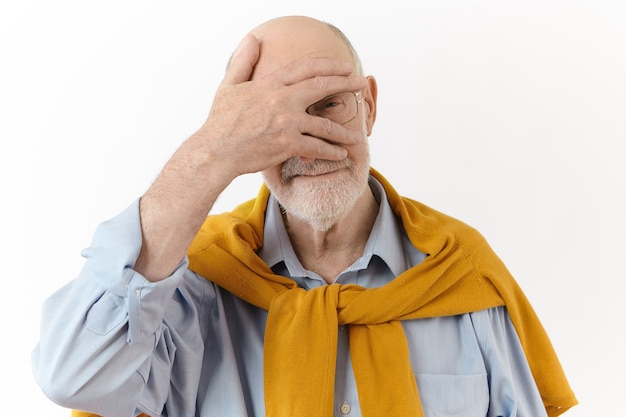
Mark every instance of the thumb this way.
pixel 242 61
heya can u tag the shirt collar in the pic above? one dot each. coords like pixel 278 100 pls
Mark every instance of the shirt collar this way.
pixel 385 240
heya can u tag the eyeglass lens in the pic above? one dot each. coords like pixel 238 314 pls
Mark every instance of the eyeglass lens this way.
pixel 340 108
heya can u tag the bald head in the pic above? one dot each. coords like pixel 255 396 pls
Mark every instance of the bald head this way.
pixel 286 39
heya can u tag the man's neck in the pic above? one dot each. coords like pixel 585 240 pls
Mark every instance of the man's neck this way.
pixel 328 253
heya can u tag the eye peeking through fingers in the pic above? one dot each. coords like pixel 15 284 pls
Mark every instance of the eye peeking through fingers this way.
pixel 340 108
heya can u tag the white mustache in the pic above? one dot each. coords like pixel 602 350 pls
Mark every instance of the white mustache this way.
pixel 294 167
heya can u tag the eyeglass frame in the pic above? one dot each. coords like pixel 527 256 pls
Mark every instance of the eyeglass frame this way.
pixel 358 98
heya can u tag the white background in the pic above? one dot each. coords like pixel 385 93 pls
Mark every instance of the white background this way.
pixel 508 115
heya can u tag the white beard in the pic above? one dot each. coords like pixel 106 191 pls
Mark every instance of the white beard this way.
pixel 320 202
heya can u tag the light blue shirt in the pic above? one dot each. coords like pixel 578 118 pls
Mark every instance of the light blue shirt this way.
pixel 116 344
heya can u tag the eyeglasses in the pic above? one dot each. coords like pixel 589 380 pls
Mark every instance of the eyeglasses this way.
pixel 341 108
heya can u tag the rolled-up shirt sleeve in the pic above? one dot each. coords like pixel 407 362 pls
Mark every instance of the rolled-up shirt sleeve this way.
pixel 110 262
pixel 105 343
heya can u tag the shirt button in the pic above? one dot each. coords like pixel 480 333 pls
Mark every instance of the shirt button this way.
pixel 345 408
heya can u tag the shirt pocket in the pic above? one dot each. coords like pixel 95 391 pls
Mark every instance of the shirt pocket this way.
pixel 453 395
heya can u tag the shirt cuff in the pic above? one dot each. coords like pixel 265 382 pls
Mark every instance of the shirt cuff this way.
pixel 147 302
pixel 111 259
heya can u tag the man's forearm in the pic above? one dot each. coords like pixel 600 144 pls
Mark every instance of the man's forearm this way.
pixel 173 209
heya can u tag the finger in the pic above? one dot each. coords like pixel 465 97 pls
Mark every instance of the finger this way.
pixel 311 67
pixel 315 89
pixel 315 148
pixel 329 131
pixel 242 61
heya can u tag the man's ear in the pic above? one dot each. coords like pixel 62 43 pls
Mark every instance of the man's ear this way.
pixel 370 95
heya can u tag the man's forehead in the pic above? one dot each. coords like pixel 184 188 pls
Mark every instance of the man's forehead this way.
pixel 290 23
pixel 285 40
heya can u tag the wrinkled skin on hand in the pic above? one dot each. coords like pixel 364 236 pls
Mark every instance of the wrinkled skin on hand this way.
pixel 257 124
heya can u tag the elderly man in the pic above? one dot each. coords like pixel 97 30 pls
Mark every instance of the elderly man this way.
pixel 329 294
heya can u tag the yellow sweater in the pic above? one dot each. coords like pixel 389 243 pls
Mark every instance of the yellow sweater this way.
pixel 461 274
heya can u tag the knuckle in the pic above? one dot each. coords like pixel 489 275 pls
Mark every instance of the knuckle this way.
pixel 321 82
pixel 281 120
pixel 327 126
pixel 272 101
